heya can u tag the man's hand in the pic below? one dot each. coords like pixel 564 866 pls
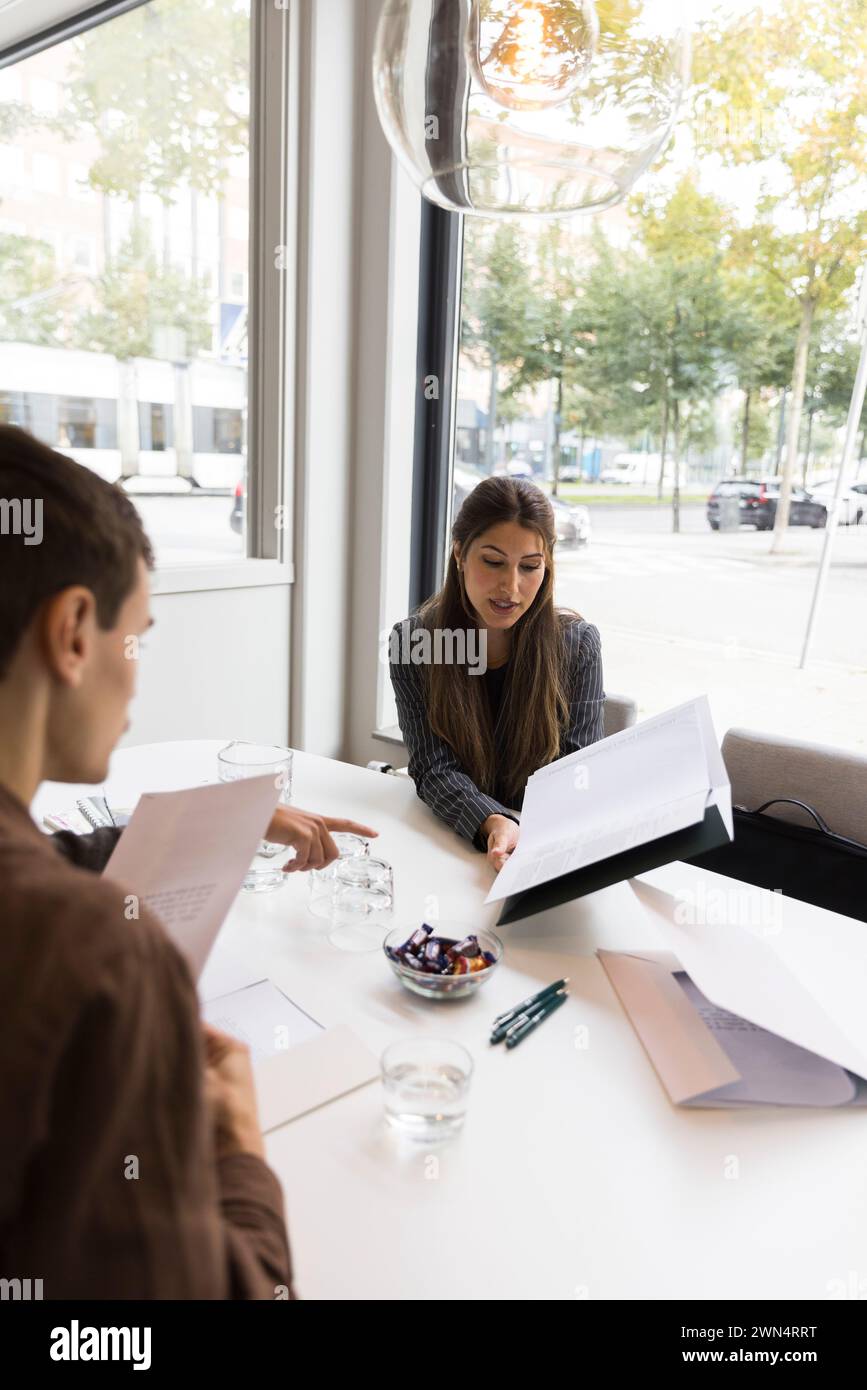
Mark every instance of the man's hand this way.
pixel 231 1094
pixel 310 836
pixel 502 836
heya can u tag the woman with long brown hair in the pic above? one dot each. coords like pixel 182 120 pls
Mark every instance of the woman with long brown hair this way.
pixel 492 681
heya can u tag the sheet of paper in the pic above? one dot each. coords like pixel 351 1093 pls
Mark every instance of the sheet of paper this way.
pixel 773 1071
pixel 263 1017
pixel 633 787
pixel 311 1074
pixel 184 854
pixel 778 978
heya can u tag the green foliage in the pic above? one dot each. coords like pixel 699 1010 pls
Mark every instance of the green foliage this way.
pixel 165 89
pixel 31 302
pixel 792 86
pixel 135 297
pixel 496 295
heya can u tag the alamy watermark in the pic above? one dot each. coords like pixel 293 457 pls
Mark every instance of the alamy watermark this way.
pixel 22 516
pixel 743 907
pixel 438 646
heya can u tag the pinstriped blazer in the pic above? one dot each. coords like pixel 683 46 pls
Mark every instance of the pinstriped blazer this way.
pixel 439 778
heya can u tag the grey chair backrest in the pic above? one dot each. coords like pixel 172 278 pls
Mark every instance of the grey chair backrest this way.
pixel 618 713
pixel 831 780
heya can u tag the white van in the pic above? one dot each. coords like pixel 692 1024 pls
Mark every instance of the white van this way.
pixel 634 468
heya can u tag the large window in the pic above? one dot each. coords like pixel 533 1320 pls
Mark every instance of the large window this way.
pixel 124 212
pixel 631 361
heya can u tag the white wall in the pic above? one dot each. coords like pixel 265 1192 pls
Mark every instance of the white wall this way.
pixel 329 271
pixel 386 390
pixel 215 665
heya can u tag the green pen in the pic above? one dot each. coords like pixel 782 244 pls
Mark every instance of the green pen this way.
pixel 531 1008
pixel 545 993
pixel 520 1032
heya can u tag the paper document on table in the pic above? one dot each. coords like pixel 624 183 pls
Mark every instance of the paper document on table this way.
pixel 804 978
pixel 184 855
pixel 707 1056
pixel 773 1071
pixel 639 785
pixel 261 1016
pixel 298 1064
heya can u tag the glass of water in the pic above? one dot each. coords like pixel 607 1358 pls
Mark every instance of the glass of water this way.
pixel 239 760
pixel 426 1083
pixel 321 881
pixel 362 904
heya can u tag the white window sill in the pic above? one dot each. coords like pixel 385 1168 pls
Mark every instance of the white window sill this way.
pixel 389 735
pixel 236 574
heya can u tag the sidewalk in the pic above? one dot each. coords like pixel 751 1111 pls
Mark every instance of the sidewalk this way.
pixel 825 703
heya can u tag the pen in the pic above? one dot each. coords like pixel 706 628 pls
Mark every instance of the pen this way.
pixel 502 1030
pixel 515 1036
pixel 525 1003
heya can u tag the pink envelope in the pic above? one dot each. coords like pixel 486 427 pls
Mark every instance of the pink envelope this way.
pixel 684 1054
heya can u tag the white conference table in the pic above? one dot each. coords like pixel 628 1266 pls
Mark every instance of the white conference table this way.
pixel 574 1176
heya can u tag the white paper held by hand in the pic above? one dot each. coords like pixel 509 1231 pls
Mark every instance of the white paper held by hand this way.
pixel 184 855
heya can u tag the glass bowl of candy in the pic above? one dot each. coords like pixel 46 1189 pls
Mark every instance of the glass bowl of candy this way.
pixel 443 961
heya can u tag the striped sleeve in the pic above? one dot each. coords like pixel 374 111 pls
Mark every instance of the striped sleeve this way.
pixel 439 779
pixel 587 701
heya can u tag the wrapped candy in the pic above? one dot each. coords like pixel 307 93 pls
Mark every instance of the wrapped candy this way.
pixel 438 955
pixel 468 947
pixel 415 944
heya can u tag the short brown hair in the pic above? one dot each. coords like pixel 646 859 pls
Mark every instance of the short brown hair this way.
pixel 89 533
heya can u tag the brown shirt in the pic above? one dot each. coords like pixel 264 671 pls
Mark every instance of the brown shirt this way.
pixel 109 1184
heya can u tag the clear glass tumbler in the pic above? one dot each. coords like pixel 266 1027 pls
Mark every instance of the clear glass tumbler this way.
pixel 321 881
pixel 362 904
pixel 426 1083
pixel 239 760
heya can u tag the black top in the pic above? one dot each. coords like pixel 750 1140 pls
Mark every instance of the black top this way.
pixel 495 681
pixel 440 781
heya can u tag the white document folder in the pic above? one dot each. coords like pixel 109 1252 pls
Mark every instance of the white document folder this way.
pixel 799 984
pixel 643 797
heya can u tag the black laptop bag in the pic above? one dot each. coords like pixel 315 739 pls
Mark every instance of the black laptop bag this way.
pixel 806 862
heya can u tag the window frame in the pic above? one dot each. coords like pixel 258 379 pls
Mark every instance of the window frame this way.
pixel 439 326
pixel 273 162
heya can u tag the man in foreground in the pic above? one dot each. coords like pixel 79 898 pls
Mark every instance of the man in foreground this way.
pixel 132 1163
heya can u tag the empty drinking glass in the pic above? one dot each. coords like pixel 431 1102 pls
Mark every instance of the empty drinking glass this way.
pixel 426 1083
pixel 321 881
pixel 362 904
pixel 238 760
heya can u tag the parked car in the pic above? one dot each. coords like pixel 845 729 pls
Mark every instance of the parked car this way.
pixel 757 504
pixel 853 501
pixel 571 473
pixel 573 522
pixel 236 516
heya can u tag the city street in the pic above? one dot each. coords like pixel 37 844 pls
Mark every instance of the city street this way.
pixel 679 614
pixel 704 611
pixel 187 528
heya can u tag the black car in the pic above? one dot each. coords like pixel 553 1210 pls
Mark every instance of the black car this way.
pixel 757 504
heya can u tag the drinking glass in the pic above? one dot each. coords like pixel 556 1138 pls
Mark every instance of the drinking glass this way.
pixel 239 760
pixel 426 1083
pixel 362 904
pixel 321 881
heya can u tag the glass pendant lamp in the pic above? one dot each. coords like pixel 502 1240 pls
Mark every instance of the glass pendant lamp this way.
pixel 503 107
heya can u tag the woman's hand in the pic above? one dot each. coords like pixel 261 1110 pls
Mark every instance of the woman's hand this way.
pixel 502 836
pixel 310 836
